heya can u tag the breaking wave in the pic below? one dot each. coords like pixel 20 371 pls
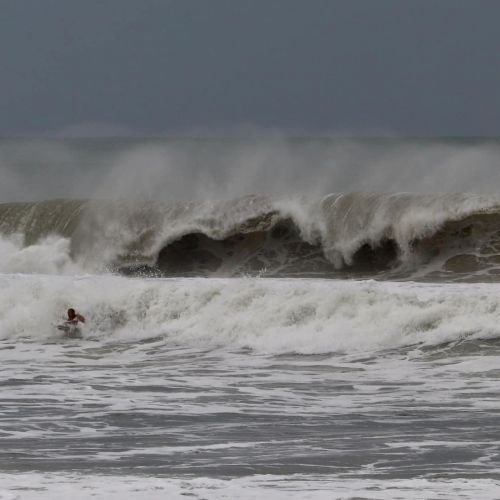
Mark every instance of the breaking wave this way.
pixel 384 236
pixel 270 316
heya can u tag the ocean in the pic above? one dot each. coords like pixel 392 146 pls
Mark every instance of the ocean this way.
pixel 268 318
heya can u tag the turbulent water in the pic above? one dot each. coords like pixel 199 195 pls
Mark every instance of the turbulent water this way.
pixel 449 237
pixel 342 345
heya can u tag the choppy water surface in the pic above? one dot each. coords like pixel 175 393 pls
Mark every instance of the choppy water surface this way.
pixel 115 414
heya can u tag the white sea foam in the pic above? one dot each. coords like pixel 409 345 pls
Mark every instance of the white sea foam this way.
pixel 270 316
pixel 50 255
pixel 79 487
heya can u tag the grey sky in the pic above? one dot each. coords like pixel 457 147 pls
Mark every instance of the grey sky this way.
pixel 216 67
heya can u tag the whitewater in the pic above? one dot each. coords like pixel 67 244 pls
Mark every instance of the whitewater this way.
pixel 343 344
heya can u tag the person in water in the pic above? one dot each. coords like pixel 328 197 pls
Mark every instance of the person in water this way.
pixel 71 326
pixel 74 318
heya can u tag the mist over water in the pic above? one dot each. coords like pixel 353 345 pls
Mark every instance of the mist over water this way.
pixel 201 169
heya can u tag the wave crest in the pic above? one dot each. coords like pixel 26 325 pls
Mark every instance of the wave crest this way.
pixel 403 235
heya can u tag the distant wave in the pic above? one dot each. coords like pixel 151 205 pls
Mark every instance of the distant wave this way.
pixel 384 236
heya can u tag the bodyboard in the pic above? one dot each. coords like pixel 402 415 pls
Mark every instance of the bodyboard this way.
pixel 70 331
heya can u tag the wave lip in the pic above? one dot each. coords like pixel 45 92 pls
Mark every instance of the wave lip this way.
pixel 385 236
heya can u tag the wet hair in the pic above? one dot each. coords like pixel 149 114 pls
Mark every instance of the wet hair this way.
pixel 71 311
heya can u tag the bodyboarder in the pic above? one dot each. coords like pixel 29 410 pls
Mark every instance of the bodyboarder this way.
pixel 70 326
pixel 74 317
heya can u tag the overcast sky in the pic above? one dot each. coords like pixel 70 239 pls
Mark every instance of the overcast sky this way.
pixel 220 67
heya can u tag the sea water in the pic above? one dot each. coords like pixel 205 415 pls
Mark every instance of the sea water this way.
pixel 251 348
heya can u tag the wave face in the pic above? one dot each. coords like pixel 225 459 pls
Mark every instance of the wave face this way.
pixel 452 237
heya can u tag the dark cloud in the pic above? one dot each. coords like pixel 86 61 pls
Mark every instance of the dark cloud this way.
pixel 417 67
